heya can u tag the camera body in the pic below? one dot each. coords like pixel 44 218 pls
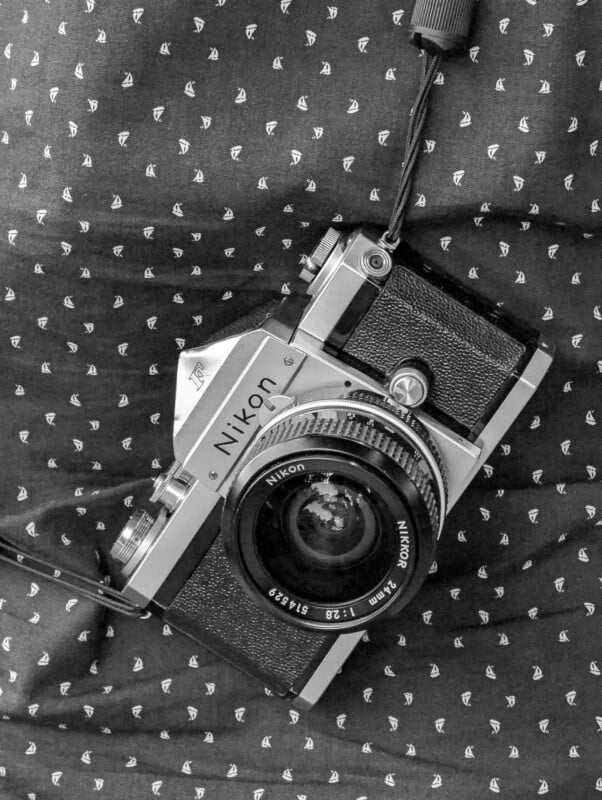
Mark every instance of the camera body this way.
pixel 306 498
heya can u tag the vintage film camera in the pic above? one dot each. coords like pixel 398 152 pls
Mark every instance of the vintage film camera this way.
pixel 306 499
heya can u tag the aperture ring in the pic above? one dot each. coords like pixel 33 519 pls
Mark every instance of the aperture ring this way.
pixel 406 416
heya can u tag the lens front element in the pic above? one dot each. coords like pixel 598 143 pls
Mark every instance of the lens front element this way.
pixel 329 522
pixel 323 535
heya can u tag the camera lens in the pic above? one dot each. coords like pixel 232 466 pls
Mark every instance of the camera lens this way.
pixel 332 518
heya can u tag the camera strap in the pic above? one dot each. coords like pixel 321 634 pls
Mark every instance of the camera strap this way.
pixel 438 28
pixel 392 236
pixel 98 591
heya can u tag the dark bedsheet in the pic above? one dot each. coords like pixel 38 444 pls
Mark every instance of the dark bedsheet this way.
pixel 162 171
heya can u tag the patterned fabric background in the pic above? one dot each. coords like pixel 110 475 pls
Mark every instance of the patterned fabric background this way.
pixel 163 169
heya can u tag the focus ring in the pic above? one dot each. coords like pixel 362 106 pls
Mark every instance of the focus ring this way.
pixel 407 418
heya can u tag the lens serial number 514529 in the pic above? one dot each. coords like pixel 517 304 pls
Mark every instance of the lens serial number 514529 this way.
pixel 290 604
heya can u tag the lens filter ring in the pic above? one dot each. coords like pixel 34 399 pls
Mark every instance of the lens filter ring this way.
pixel 332 519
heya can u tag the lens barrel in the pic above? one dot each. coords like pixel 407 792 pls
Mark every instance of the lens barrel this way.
pixel 332 518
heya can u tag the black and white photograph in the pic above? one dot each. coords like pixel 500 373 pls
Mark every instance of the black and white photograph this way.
pixel 300 409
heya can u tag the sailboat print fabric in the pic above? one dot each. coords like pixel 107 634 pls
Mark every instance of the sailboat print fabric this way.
pixel 164 170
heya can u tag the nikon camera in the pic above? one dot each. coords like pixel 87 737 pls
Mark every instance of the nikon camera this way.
pixel 317 457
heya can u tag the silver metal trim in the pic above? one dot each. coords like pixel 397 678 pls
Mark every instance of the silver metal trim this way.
pixel 163 553
pixel 337 283
pixel 328 307
pixel 327 669
pixel 257 359
pixel 197 369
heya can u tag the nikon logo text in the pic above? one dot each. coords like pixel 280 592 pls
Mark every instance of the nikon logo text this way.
pixel 404 544
pixel 280 474
pixel 242 423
